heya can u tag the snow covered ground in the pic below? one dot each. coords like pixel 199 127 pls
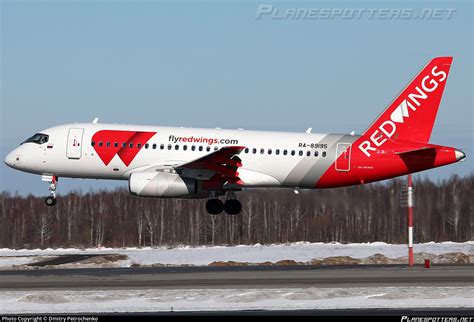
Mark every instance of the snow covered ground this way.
pixel 200 256
pixel 151 300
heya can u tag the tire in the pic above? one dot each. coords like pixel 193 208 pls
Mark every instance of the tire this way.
pixel 214 206
pixel 50 201
pixel 232 207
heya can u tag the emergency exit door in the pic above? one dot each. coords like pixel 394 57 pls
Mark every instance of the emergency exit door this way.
pixel 74 143
pixel 343 157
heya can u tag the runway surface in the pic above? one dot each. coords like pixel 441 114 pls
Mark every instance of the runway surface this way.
pixel 239 277
pixel 422 312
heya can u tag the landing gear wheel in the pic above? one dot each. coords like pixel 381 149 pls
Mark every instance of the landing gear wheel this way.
pixel 214 206
pixel 232 207
pixel 50 201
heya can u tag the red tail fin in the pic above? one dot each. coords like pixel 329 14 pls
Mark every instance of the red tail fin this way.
pixel 412 114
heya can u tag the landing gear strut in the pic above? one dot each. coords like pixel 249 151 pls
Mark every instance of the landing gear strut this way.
pixel 53 182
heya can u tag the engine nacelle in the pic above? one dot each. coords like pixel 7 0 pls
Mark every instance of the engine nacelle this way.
pixel 161 185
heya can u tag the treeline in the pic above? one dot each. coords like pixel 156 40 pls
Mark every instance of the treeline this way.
pixel 373 212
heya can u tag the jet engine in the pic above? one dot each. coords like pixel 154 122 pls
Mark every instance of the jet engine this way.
pixel 161 185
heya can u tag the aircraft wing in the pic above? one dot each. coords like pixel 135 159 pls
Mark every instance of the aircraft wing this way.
pixel 218 168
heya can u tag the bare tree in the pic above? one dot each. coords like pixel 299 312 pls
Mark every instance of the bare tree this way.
pixel 43 227
pixel 140 223
pixel 443 211
pixel 150 224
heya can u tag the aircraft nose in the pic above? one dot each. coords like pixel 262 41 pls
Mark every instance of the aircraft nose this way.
pixel 10 159
pixel 459 155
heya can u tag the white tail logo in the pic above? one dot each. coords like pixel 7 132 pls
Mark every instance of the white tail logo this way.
pixel 414 100
pixel 400 112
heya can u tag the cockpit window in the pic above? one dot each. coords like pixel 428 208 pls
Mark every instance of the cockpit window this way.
pixel 38 138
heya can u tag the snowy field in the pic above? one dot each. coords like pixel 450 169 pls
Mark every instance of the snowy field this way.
pixel 153 300
pixel 306 253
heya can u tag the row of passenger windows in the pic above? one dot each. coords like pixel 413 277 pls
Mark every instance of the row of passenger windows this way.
pixel 153 146
pixel 285 152
pixel 208 148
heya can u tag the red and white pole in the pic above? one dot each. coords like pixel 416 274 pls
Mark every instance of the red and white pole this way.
pixel 410 221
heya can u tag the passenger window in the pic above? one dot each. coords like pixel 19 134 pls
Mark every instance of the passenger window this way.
pixel 216 148
pixel 170 146
pixel 185 147
pixel 324 154
pixel 131 145
pixel 115 144
pixel 154 146
pixel 162 146
pixel 254 150
pixel 262 151
pixel 246 150
pixel 292 152
pixel 147 146
pixel 176 147
pixel 308 154
pixel 193 148
pixel 124 145
pixel 285 152
pixel 300 153
pixel 100 144
pixel 277 152
pixel 316 153
pixel 269 151
pixel 139 145
pixel 92 143
pixel 200 148
pixel 208 148
pixel 108 144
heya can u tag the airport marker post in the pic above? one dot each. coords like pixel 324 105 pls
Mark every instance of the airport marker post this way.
pixel 410 220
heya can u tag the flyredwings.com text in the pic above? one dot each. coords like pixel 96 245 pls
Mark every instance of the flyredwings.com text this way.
pixel 201 139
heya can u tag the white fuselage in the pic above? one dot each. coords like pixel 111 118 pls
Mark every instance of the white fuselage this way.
pixel 270 158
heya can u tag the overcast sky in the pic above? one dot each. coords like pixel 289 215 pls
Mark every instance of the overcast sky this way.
pixel 214 64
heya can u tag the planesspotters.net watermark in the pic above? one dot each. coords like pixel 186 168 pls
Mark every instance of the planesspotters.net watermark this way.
pixel 265 11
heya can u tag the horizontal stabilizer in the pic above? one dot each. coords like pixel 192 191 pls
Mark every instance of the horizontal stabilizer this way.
pixel 411 150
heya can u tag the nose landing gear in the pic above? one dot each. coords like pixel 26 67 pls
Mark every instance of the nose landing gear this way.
pixel 53 181
pixel 50 201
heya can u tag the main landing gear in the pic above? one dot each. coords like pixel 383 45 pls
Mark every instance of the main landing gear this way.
pixel 232 206
pixel 53 182
pixel 214 206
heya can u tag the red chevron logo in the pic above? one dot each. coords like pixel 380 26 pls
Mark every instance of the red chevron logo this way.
pixel 125 144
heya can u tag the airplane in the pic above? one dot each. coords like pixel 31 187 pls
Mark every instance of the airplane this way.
pixel 174 162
